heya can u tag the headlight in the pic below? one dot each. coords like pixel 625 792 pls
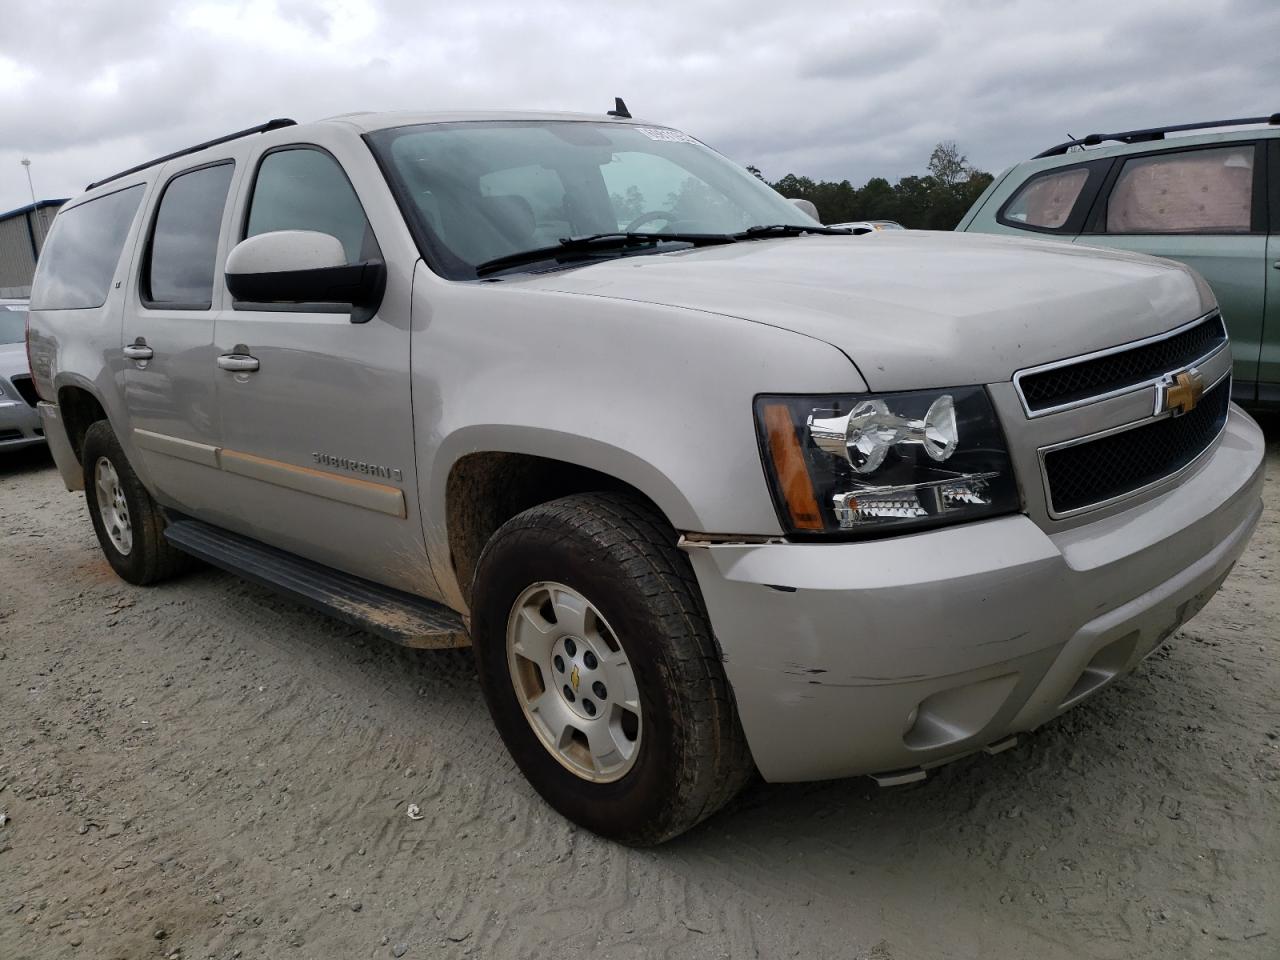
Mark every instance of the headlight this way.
pixel 874 464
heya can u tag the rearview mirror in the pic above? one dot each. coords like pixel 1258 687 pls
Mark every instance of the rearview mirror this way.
pixel 806 206
pixel 303 267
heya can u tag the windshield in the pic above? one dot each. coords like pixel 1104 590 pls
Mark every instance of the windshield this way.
pixel 13 324
pixel 483 190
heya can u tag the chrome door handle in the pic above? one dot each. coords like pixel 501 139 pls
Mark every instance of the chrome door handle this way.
pixel 238 362
pixel 138 350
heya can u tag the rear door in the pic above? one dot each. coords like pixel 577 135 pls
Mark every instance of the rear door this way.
pixel 318 452
pixel 168 337
pixel 1205 206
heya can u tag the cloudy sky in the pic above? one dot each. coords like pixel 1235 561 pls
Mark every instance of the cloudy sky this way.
pixel 828 89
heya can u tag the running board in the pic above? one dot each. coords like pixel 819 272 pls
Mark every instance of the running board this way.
pixel 392 614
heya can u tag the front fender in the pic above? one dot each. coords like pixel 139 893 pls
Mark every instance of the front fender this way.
pixel 658 397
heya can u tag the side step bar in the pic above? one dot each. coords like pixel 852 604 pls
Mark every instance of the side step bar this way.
pixel 392 614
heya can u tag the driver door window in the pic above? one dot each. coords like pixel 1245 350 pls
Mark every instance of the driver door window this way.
pixel 305 189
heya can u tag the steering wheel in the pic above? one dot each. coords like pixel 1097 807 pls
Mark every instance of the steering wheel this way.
pixel 666 215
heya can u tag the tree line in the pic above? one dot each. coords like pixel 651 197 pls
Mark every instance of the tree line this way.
pixel 935 201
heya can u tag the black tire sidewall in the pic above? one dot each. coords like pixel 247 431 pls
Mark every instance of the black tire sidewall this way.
pixel 635 806
pixel 100 441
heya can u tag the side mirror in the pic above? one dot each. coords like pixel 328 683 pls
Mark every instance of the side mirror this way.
pixel 304 266
pixel 806 206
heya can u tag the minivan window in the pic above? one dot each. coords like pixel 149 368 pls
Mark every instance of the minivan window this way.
pixel 447 175
pixel 80 256
pixel 1046 200
pixel 305 189
pixel 184 240
pixel 1194 191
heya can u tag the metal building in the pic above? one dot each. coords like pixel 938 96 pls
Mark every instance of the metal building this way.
pixel 22 234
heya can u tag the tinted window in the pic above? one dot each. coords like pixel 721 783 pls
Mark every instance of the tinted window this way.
pixel 79 259
pixel 306 190
pixel 184 243
pixel 1046 201
pixel 13 324
pixel 1196 191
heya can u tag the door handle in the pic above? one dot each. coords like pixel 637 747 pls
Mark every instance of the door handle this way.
pixel 238 362
pixel 138 350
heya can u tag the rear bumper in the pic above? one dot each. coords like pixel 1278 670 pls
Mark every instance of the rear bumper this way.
pixel 19 425
pixel 902 654
pixel 63 455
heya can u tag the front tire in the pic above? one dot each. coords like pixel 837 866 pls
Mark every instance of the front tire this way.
pixel 128 522
pixel 596 659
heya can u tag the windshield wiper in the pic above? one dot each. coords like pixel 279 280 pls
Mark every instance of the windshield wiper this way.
pixel 787 230
pixel 596 243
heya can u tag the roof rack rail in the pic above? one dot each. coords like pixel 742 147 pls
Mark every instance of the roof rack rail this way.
pixel 260 128
pixel 1152 133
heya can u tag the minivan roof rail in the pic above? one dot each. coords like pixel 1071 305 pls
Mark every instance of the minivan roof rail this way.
pixel 1152 133
pixel 260 128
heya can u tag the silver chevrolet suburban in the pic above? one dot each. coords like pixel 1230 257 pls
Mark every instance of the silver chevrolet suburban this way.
pixel 708 487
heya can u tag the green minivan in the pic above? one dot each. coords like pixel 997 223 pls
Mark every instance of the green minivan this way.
pixel 1210 200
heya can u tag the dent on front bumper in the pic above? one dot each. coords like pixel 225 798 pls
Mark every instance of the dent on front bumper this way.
pixel 901 654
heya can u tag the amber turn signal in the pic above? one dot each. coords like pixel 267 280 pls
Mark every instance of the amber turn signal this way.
pixel 788 466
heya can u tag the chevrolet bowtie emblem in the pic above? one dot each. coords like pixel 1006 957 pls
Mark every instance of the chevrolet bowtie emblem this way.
pixel 1178 393
pixel 573 677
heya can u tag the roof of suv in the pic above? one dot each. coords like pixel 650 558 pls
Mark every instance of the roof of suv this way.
pixel 366 122
pixel 1085 154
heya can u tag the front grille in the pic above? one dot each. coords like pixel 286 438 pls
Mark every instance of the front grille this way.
pixel 1099 470
pixel 1126 368
pixel 10 435
pixel 26 389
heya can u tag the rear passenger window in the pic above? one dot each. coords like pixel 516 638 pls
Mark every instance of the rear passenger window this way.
pixel 80 257
pixel 305 189
pixel 1047 200
pixel 184 241
pixel 1195 191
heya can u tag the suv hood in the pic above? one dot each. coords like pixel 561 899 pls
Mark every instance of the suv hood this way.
pixel 913 308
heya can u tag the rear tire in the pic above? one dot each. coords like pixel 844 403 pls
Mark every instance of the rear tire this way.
pixel 128 522
pixel 678 753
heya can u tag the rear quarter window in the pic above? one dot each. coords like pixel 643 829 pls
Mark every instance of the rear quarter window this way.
pixel 1046 200
pixel 80 257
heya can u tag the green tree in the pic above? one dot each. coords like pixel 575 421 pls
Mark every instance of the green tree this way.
pixel 947 165
pixel 934 201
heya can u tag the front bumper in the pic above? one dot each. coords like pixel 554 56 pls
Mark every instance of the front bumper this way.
pixel 900 654
pixel 19 424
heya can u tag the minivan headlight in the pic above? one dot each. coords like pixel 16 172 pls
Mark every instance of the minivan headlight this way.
pixel 879 463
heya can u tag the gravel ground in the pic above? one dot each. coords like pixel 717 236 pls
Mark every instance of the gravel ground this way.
pixel 202 770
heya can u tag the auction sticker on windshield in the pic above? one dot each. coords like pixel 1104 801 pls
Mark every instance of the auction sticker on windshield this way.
pixel 661 133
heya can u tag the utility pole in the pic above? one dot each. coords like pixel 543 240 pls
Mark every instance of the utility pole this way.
pixel 27 163
pixel 33 215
